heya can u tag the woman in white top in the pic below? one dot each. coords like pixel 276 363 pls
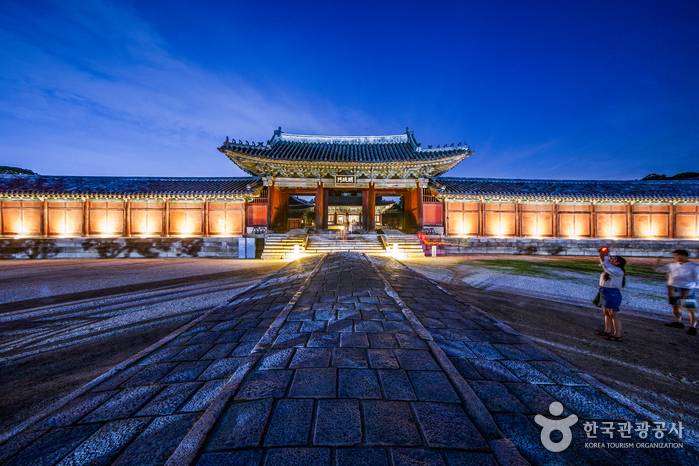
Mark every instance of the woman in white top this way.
pixel 611 281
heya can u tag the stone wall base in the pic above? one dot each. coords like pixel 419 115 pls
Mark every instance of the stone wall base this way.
pixel 106 248
pixel 558 247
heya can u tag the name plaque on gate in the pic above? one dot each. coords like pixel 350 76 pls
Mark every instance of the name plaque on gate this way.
pixel 345 180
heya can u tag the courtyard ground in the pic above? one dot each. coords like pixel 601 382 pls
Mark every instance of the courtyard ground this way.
pixel 63 322
pixel 549 299
pixel 336 360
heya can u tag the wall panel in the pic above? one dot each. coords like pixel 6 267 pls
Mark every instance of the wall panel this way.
pixel 22 218
pixel 574 220
pixel 537 220
pixel 611 220
pixel 226 218
pixel 106 218
pixel 186 218
pixel 147 218
pixel 499 218
pixel 462 218
pixel 686 221
pixel 651 220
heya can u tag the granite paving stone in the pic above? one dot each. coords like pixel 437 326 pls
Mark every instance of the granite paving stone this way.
pixel 446 425
pixel 241 425
pixel 433 386
pixel 235 457
pixel 361 457
pixel 157 442
pixel 265 384
pixel 311 357
pixel 76 409
pixel 390 423
pixel 169 399
pixel 298 457
pixel 354 340
pixel 186 371
pixel 382 359
pixel 290 423
pixel 122 404
pixel 497 398
pixel 350 357
pixel 338 422
pixel 103 445
pixel 221 368
pixel 396 385
pixel 53 445
pixel 203 396
pixel 314 383
pixel 358 383
pixel 416 456
pixel 418 360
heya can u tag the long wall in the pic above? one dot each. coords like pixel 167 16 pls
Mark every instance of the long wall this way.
pixel 571 220
pixel 148 217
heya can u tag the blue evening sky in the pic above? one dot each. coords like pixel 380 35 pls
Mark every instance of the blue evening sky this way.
pixel 542 90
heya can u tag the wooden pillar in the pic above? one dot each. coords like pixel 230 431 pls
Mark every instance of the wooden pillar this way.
pixel 481 218
pixel 44 218
pixel 593 222
pixel 632 233
pixel 554 220
pixel 324 224
pixel 283 210
pixel 365 210
pixel 629 226
pixel 418 206
pixel 127 217
pixel 518 219
pixel 86 217
pixel 245 218
pixel 318 209
pixel 371 214
pixel 206 217
pixel 671 220
pixel 166 220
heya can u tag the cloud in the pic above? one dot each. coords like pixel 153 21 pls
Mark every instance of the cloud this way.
pixel 94 86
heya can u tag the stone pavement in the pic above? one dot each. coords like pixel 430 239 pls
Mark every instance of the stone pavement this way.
pixel 334 360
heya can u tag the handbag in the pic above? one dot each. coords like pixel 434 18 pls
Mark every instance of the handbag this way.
pixel 597 300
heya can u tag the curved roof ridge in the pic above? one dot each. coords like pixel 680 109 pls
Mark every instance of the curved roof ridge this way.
pixel 331 139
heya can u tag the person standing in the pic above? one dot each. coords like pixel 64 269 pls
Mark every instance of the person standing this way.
pixel 682 281
pixel 611 281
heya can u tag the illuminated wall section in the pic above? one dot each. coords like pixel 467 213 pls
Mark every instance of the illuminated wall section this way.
pixel 611 220
pixel 22 218
pixel 65 218
pixel 432 213
pixel 537 220
pixel 574 220
pixel 227 218
pixel 147 218
pixel 651 220
pixel 462 218
pixel 186 218
pixel 106 218
pixel 500 219
pixel 687 221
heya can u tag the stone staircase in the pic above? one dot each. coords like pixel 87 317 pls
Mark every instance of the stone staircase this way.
pixel 323 244
pixel 280 245
pixel 409 245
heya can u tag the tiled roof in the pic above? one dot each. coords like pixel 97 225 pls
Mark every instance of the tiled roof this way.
pixel 685 190
pixel 361 149
pixel 112 185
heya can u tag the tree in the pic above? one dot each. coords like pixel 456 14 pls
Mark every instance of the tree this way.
pixel 15 171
